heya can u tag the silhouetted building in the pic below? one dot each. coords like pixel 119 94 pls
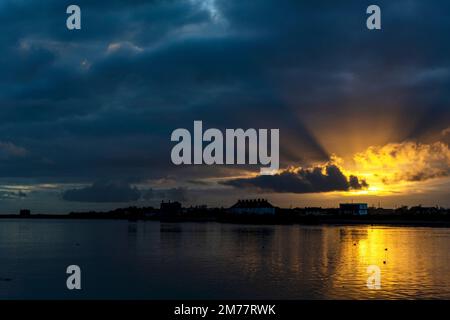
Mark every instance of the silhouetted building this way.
pixel 170 207
pixel 381 211
pixel 357 209
pixel 257 206
pixel 25 213
pixel 424 210
pixel 314 211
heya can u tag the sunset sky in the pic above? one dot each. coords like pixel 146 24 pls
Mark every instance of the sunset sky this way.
pixel 86 116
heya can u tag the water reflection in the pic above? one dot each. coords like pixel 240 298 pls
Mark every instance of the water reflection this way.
pixel 152 260
pixel 325 262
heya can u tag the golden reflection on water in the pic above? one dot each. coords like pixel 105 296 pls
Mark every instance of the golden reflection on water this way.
pixel 413 262
pixel 325 262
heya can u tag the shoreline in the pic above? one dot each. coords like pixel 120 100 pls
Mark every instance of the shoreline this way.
pixel 381 221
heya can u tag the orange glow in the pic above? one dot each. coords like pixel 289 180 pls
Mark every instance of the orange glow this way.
pixel 399 167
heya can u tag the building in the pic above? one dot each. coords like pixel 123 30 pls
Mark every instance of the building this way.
pixel 357 209
pixel 25 213
pixel 256 206
pixel 314 211
pixel 424 210
pixel 170 207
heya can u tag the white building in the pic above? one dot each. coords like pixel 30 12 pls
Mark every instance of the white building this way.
pixel 358 209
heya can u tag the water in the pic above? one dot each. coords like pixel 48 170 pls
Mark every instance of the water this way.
pixel 152 260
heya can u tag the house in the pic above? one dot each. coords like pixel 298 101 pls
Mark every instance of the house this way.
pixel 256 206
pixel 314 211
pixel 170 207
pixel 357 209
pixel 424 210
pixel 25 213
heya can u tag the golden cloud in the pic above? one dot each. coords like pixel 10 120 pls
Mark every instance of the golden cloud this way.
pixel 389 169
pixel 407 161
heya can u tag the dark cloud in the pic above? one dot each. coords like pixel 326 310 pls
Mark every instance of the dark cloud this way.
pixel 7 195
pixel 8 150
pixel 139 69
pixel 174 194
pixel 101 102
pixel 302 181
pixel 356 184
pixel 103 192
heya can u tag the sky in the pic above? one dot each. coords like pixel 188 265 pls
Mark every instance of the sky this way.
pixel 86 115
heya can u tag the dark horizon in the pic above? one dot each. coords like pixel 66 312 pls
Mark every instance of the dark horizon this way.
pixel 203 206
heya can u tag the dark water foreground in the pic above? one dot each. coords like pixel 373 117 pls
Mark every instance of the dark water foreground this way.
pixel 153 260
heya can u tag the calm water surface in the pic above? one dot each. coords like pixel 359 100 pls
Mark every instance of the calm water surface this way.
pixel 152 260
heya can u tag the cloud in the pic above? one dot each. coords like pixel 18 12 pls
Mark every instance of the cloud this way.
pixel 8 149
pixel 103 192
pixel 7 195
pixel 407 161
pixel 175 194
pixel 101 102
pixel 446 132
pixel 123 46
pixel 313 180
pixel 382 167
pixel 357 184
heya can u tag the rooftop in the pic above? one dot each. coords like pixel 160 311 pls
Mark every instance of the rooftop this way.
pixel 253 203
